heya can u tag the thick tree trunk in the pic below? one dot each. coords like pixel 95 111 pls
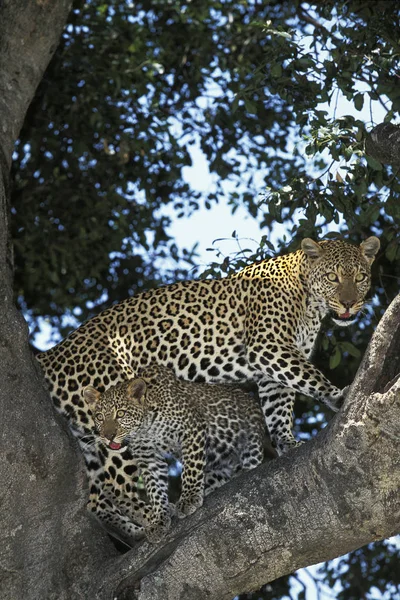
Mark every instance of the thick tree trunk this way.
pixel 29 34
pixel 49 547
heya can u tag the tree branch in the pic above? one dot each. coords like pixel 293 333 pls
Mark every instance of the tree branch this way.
pixel 328 497
pixel 43 485
pixel 383 144
pixel 30 31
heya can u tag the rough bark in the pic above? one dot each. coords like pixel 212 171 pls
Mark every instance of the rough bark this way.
pixel 30 32
pixel 49 548
pixel 383 144
pixel 332 495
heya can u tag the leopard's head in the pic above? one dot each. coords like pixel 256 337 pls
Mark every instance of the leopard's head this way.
pixel 118 412
pixel 340 275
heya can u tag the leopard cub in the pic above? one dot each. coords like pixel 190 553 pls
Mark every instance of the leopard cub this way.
pixel 214 430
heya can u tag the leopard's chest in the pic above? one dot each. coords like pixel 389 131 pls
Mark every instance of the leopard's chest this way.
pixel 308 328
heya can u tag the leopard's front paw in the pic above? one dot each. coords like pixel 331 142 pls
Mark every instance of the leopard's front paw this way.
pixel 173 510
pixel 345 391
pixel 187 506
pixel 284 446
pixel 336 403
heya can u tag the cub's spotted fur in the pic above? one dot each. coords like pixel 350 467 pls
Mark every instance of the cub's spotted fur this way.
pixel 215 430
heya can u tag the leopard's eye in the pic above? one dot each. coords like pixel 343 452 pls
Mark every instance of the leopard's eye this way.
pixel 361 277
pixel 100 416
pixel 120 413
pixel 332 277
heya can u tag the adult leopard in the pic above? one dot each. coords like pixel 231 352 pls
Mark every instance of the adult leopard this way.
pixel 260 325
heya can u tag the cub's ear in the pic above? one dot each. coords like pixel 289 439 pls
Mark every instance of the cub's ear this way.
pixel 311 249
pixel 369 248
pixel 136 390
pixel 91 395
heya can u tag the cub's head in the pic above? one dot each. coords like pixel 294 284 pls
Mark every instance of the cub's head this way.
pixel 340 275
pixel 118 411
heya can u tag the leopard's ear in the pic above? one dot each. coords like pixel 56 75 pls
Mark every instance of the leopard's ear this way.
pixel 91 395
pixel 369 248
pixel 311 249
pixel 136 390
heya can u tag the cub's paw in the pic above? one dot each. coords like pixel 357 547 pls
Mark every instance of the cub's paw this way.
pixel 187 506
pixel 156 532
pixel 173 510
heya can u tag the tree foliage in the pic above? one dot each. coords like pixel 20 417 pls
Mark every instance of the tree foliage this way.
pixel 99 169
pixel 107 138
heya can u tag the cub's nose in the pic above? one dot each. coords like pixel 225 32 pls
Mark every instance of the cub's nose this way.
pixel 110 429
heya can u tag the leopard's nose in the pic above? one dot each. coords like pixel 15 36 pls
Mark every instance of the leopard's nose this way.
pixel 348 304
pixel 110 429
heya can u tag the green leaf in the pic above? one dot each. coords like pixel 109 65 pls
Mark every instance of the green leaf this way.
pixel 283 34
pixel 325 342
pixel 335 358
pixel 276 70
pixel 235 104
pixel 391 251
pixel 359 101
pixel 351 349
pixel 373 163
pixel 250 107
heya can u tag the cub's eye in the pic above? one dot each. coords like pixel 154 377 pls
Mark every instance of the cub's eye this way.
pixel 120 413
pixel 332 277
pixel 361 277
pixel 100 416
